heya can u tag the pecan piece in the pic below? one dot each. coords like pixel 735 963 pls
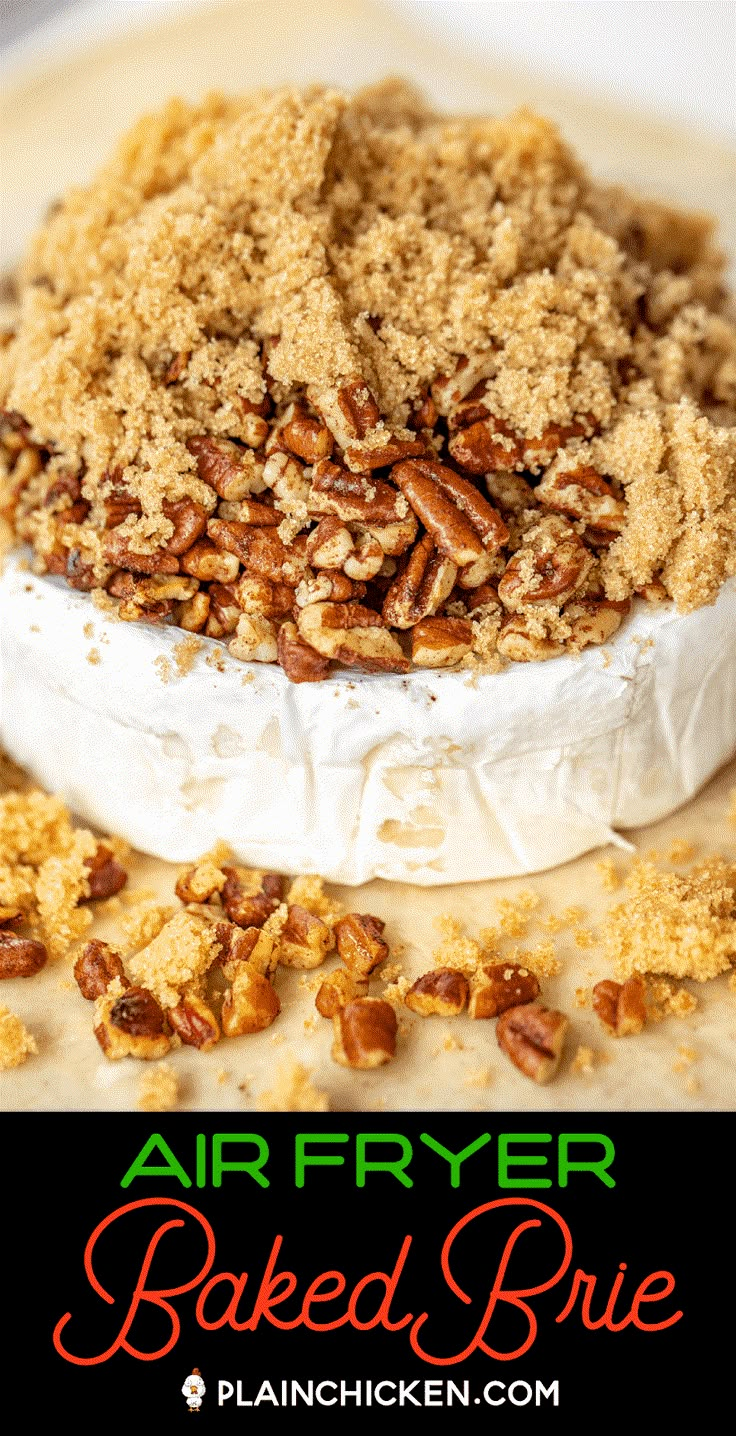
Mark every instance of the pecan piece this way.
pixel 189 520
pixel 328 586
pixel 194 613
pixel 350 412
pixel 360 943
pixel 441 642
pixel 486 445
pixel 105 875
pixel 364 1033
pixel 224 610
pixel 131 1024
pixel 261 550
pixel 194 1022
pixel 621 1006
pixel 20 956
pixel 462 523
pixel 329 544
pixel 533 1038
pixel 260 596
pixel 305 939
pixel 302 435
pixel 353 635
pixel 354 498
pixel 383 452
pixel 518 641
pixel 249 897
pixel 594 620
pixel 582 494
pixel 96 967
pixel 425 579
pixel 250 1005
pixel 442 992
pixel 250 944
pixel 338 989
pixel 300 662
pixel 232 472
pixel 471 373
pixel 254 641
pixel 117 551
pixel 503 985
pixel 200 883
pixel 553 563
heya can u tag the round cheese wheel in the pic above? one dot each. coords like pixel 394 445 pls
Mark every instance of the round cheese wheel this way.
pixel 430 778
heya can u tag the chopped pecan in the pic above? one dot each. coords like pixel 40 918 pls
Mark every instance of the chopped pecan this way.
pixel 224 610
pixel 96 967
pixel 119 507
pixel 329 544
pixel 80 575
pixel 462 523
pixel 254 640
pixel 448 390
pixel 250 1005
pixel 305 939
pixel 10 916
pixel 249 897
pixel 177 367
pixel 442 992
pixel 366 559
pixel 328 586
pixel 231 471
pixel 441 642
pixel 486 445
pixel 519 641
pixel 354 498
pixel 510 491
pixel 200 883
pixel 304 436
pixel 621 1006
pixel 425 415
pixel 351 634
pixel 131 1024
pixel 350 412
pixel 339 988
pixel 395 539
pixel 533 1038
pixel 300 662
pixel 257 595
pixel 117 551
pixel 582 494
pixel 594 620
pixel 360 943
pixel 194 613
pixel 20 956
pixel 364 1033
pixel 383 452
pixel 194 1022
pixel 105 875
pixel 502 985
pixel 189 520
pixel 250 944
pixel 553 563
pixel 261 550
pixel 425 579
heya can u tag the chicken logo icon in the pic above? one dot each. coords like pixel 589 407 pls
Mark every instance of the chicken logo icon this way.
pixel 194 1389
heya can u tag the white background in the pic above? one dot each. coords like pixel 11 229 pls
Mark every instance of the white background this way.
pixel 672 58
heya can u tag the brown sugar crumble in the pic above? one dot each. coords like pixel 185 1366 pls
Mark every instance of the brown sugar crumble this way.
pixel 339 381
pixel 16 1042
pixel 673 925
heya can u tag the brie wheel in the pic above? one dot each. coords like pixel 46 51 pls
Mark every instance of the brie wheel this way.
pixel 439 777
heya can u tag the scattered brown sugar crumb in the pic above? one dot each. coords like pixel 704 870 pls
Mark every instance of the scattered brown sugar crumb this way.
pixel 93 656
pixel 584 938
pixel 666 1000
pixel 457 950
pixel 185 653
pixel 609 874
pixel 294 1091
pixel 677 926
pixel 145 921
pixel 304 286
pixel 478 1077
pixel 681 851
pixel 582 997
pixel 216 660
pixel 542 960
pixel 552 923
pixel 309 892
pixel 158 1089
pixel 584 1061
pixel 163 667
pixel 395 992
pixel 16 1042
pixel 43 866
pixel 89 630
pixel 573 916
pixel 687 1055
pixel 181 953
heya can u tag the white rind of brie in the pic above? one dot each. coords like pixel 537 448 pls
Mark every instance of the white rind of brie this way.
pixel 433 778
